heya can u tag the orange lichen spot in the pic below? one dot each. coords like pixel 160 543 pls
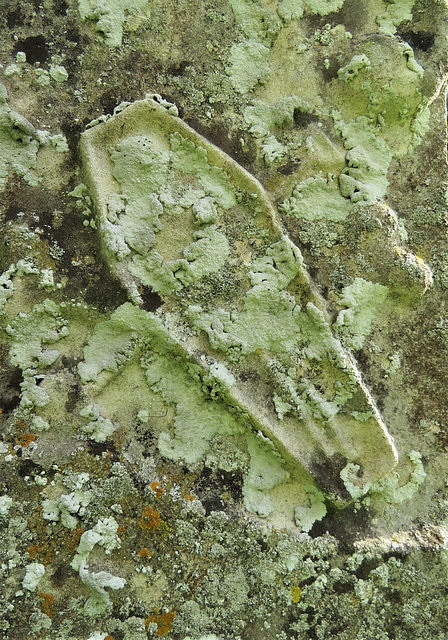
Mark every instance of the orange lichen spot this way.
pixel 74 538
pixel 108 637
pixel 121 531
pixel 44 553
pixel 158 490
pixel 26 438
pixel 150 519
pixel 33 550
pixel 296 594
pixel 163 619
pixel 145 553
pixel 48 604
pixel 186 495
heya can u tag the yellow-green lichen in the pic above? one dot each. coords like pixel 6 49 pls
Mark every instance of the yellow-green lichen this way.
pixel 368 159
pixel 361 299
pixel 248 65
pixel 110 16
pixel 18 143
pixel 317 198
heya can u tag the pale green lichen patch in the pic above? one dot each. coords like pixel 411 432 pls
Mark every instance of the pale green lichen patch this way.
pixel 317 198
pixel 6 287
pixel 290 10
pixel 18 144
pixel 68 507
pixel 138 167
pixel 362 298
pixel 58 73
pixel 137 221
pixel 248 65
pixel 262 117
pixel 270 316
pixel 265 472
pixel 306 516
pixel 397 11
pixel 113 341
pixel 389 487
pixel 368 159
pixel 190 158
pixel 420 126
pixel 257 21
pixel 99 428
pixel 407 51
pixel 34 574
pixel 351 70
pixel 43 325
pixel 103 534
pixel 383 82
pixel 324 7
pixel 272 150
pixel 110 16
pixel 196 421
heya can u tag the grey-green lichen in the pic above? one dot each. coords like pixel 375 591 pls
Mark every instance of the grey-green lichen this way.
pixel 110 16
pixel 270 318
pixel 368 159
pixel 351 70
pixel 265 472
pixel 248 65
pixel 305 517
pixel 324 7
pixel 99 428
pixel 6 287
pixel 18 143
pixel 397 11
pixel 43 325
pixel 257 21
pixel 389 487
pixel 138 215
pixel 361 299
pixel 223 577
pixel 290 10
pixel 261 117
pixel 317 198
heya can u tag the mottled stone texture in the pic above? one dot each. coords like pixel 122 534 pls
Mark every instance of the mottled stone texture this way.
pixel 223 343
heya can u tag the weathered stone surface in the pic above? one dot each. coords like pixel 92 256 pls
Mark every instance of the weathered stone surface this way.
pixel 223 341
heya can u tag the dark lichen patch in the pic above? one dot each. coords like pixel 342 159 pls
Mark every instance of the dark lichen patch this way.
pixel 328 474
pixel 222 132
pixel 103 449
pixel 289 168
pixel 151 299
pixel 422 40
pixel 35 48
pixel 303 118
pixel 215 487
pixel 347 527
pixel 28 468
pixel 100 289
pixel 10 381
pixel 354 15
pixel 72 131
